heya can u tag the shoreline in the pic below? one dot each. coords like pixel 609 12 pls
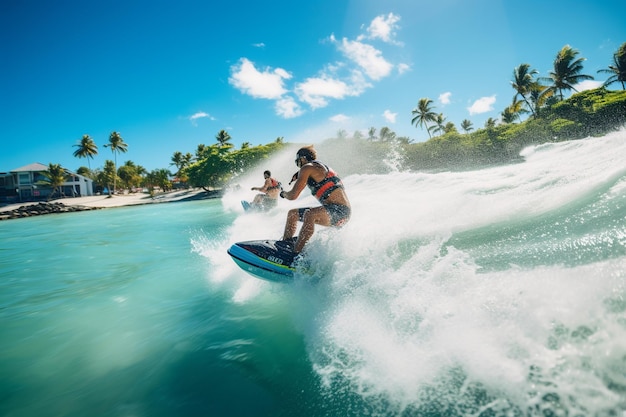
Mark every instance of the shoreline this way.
pixel 123 200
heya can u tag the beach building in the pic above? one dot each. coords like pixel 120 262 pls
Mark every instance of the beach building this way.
pixel 27 184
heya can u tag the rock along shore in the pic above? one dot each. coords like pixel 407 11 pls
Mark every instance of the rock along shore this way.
pixel 74 204
pixel 41 208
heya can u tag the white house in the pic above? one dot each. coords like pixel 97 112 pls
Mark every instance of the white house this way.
pixel 25 184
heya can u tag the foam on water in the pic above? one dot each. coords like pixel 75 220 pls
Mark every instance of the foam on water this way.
pixel 418 301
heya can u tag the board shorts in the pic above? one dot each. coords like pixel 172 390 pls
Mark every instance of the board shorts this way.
pixel 338 213
pixel 269 202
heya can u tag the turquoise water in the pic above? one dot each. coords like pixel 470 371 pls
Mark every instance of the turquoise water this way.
pixel 486 293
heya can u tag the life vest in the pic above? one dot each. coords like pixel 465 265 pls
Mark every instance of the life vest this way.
pixel 321 190
pixel 275 184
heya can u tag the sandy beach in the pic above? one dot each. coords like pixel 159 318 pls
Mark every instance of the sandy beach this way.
pixel 104 201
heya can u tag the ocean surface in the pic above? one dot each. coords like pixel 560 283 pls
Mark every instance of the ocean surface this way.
pixel 494 292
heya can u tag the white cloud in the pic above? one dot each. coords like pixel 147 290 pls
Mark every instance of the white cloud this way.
pixel 402 68
pixel 348 77
pixel 339 118
pixel 588 85
pixel 316 91
pixel 288 108
pixel 358 84
pixel 199 115
pixel 383 27
pixel 266 84
pixel 482 105
pixel 389 116
pixel 444 98
pixel 368 58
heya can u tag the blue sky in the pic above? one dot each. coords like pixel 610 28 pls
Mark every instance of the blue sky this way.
pixel 168 75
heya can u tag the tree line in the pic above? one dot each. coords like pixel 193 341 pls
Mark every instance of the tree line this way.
pixel 210 167
pixel 213 166
pixel 130 175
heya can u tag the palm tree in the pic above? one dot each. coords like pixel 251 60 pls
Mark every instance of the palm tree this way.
pixel 540 96
pixel 523 82
pixel 129 174
pixel 87 148
pixel 222 137
pixel 142 171
pixel 423 114
pixel 490 123
pixel 178 161
pixel 449 128
pixel 386 134
pixel 509 115
pixel 200 150
pixel 108 175
pixel 440 124
pixel 181 162
pixel 55 177
pixel 513 111
pixel 566 71
pixel 371 134
pixel 159 177
pixel 85 172
pixel 466 125
pixel 117 144
pixel 618 70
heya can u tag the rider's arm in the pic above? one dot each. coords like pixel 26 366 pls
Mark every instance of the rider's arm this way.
pixel 263 189
pixel 303 176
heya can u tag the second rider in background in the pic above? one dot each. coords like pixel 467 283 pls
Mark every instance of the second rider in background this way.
pixel 270 190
